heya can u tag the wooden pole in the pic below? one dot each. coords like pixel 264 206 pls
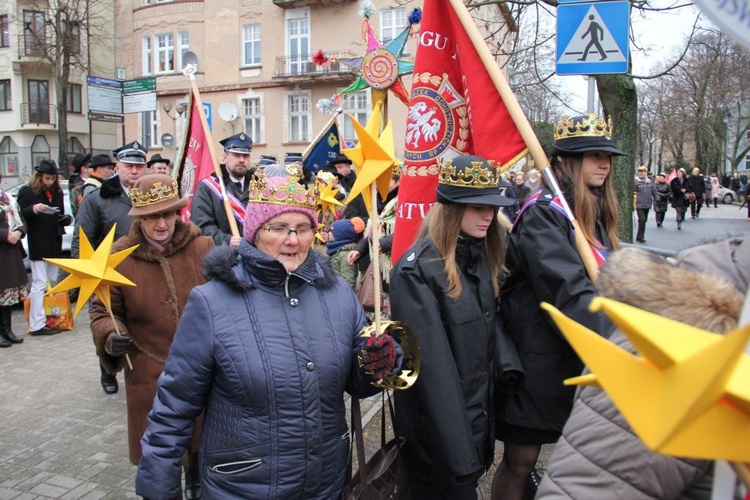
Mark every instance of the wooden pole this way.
pixel 217 169
pixel 527 133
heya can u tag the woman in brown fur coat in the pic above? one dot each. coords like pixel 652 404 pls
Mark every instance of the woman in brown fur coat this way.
pixel 165 267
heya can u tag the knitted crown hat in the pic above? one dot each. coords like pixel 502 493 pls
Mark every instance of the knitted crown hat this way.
pixel 258 213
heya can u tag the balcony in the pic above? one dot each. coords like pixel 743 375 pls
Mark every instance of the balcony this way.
pixel 293 4
pixel 301 69
pixel 31 50
pixel 38 113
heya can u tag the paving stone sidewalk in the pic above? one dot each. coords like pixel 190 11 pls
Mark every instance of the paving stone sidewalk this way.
pixel 60 435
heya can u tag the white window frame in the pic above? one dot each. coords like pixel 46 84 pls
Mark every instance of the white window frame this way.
pixel 147 55
pixel 251 45
pixel 183 45
pixel 392 23
pixel 298 65
pixel 301 117
pixel 8 157
pixel 258 119
pixel 164 51
pixel 357 104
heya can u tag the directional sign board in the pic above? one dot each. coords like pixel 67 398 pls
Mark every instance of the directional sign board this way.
pixel 139 95
pixel 592 38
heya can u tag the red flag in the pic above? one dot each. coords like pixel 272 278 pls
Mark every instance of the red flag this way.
pixel 671 175
pixel 195 163
pixel 454 109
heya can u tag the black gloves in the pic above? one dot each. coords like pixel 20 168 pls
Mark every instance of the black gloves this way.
pixel 117 345
pixel 64 219
pixel 378 357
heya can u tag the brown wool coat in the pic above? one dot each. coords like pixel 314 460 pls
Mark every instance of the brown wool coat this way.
pixel 149 313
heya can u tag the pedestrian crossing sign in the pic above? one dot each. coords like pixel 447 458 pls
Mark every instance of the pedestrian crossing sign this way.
pixel 592 38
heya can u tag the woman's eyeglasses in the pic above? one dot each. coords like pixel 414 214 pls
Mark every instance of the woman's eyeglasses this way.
pixel 279 231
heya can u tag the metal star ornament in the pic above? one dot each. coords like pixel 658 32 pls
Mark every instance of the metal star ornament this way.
pixel 685 394
pixel 94 272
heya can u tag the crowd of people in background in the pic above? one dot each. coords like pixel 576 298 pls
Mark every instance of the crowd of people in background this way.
pixel 233 335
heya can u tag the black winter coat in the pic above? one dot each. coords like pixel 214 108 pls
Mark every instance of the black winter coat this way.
pixel 662 194
pixel 101 209
pixel 207 211
pixel 13 272
pixel 678 197
pixel 446 417
pixel 697 185
pixel 544 266
pixel 45 231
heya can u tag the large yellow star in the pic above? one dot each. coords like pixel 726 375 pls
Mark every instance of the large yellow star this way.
pixel 327 198
pixel 375 156
pixel 94 271
pixel 687 394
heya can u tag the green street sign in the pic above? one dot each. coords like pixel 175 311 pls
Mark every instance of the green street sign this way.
pixel 139 85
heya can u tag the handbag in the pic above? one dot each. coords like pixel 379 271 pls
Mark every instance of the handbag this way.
pixel 366 292
pixel 384 475
pixel 689 196
pixel 57 309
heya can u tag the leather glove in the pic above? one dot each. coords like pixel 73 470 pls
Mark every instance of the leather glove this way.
pixel 64 219
pixel 117 345
pixel 378 357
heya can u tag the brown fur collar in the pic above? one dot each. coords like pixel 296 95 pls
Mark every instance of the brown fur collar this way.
pixel 647 281
pixel 184 233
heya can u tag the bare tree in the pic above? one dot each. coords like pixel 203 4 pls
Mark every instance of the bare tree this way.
pixel 59 32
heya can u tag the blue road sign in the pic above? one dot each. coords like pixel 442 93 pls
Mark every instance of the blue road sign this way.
pixel 207 112
pixel 592 38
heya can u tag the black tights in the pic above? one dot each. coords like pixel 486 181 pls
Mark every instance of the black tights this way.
pixel 513 473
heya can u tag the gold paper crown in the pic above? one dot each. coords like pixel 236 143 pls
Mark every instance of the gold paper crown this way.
pixel 476 176
pixel 158 193
pixel 588 125
pixel 287 192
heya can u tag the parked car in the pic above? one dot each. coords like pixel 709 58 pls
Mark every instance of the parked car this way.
pixel 68 237
pixel 727 195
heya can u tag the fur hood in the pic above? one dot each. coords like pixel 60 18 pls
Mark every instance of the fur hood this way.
pixel 184 233
pixel 240 270
pixel 681 291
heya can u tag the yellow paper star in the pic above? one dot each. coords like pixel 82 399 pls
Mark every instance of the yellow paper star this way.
pixel 378 156
pixel 327 198
pixel 94 271
pixel 685 395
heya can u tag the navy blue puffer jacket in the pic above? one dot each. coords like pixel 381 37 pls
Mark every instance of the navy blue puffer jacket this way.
pixel 268 355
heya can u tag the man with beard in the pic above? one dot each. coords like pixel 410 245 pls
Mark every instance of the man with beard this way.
pixel 207 211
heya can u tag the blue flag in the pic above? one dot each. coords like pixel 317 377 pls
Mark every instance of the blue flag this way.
pixel 325 150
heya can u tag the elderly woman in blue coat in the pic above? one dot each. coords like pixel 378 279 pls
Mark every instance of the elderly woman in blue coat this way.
pixel 266 349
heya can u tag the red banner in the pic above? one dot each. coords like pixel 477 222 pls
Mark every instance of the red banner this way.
pixel 195 163
pixel 454 109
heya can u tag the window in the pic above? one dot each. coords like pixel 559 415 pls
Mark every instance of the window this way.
pixel 72 37
pixel 253 115
pixel 34 34
pixel 357 105
pixel 39 150
pixel 251 44
pixel 164 53
pixel 8 157
pixel 150 129
pixel 392 23
pixel 38 102
pixel 147 54
pixel 6 101
pixel 298 111
pixel 183 39
pixel 299 45
pixel 4 33
pixel 73 98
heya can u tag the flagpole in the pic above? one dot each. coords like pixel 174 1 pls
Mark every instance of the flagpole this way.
pixel 189 71
pixel 527 133
pixel 322 131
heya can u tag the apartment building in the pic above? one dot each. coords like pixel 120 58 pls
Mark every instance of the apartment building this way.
pixel 30 33
pixel 254 65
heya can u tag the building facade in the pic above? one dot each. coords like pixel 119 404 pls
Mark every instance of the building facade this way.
pixel 31 70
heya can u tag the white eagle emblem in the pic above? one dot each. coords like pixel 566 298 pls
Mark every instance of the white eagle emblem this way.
pixel 421 124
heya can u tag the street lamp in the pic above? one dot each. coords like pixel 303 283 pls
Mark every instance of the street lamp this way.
pixel 179 109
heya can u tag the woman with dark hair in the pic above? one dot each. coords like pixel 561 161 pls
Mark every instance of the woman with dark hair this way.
pixel 544 266
pixel 680 187
pixel 41 203
pixel 445 287
pixel 14 284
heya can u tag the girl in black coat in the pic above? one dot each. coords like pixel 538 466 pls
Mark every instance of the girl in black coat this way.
pixel 680 187
pixel 544 266
pixel 445 288
pixel 41 203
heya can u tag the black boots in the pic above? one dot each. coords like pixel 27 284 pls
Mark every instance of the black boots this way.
pixel 192 477
pixel 7 337
pixel 108 381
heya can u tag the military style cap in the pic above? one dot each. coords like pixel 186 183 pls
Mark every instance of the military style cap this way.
pixel 238 143
pixel 132 152
pixel 268 160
